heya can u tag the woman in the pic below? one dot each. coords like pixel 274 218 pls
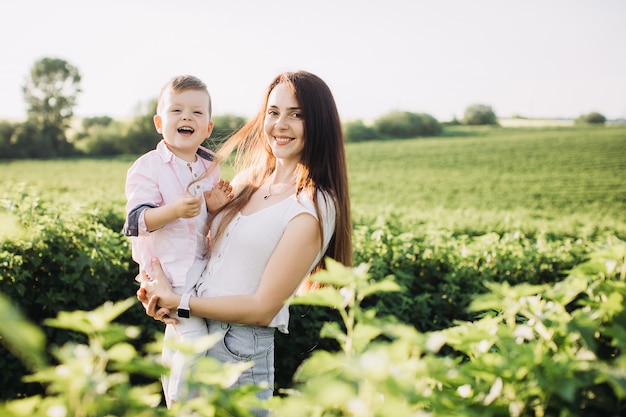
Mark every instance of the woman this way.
pixel 291 209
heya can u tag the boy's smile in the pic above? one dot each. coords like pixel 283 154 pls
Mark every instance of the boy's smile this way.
pixel 184 121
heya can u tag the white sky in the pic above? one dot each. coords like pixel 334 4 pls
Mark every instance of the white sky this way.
pixel 535 58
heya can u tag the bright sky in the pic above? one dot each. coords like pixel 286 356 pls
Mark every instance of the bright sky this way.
pixel 535 58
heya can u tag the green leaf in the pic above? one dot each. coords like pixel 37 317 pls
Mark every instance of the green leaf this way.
pixel 122 352
pixel 319 364
pixel 325 297
pixel 90 322
pixel 336 274
pixel 22 338
pixel 386 285
pixel 363 334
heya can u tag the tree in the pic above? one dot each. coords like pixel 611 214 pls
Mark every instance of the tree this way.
pixel 480 114
pixel 141 135
pixel 591 118
pixel 404 124
pixel 224 126
pixel 357 131
pixel 6 134
pixel 50 93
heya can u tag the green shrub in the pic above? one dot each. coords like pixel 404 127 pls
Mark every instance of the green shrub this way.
pixel 6 135
pixel 105 140
pixel 67 259
pixel 76 258
pixel 537 350
pixel 224 126
pixel 404 125
pixel 593 118
pixel 534 344
pixel 357 131
pixel 439 272
pixel 479 114
pixel 108 376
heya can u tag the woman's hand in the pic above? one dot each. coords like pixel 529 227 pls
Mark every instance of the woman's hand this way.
pixel 152 289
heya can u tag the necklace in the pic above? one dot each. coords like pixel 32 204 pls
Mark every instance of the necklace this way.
pixel 269 190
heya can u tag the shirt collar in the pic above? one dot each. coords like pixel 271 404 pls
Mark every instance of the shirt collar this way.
pixel 167 156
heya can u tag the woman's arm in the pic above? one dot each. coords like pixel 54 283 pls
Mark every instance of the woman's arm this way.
pixel 284 271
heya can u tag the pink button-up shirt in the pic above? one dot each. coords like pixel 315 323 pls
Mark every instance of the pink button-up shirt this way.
pixel 153 181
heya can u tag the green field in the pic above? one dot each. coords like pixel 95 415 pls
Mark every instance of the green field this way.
pixel 494 174
pixel 554 177
pixel 505 245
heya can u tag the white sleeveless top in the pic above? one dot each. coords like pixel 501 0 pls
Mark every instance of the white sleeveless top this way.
pixel 239 257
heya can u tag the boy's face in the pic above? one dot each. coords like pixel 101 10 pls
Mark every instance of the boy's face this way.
pixel 183 120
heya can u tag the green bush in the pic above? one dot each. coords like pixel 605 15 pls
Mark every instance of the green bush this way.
pixel 224 126
pixel 593 118
pixel 67 259
pixel 6 137
pixel 532 344
pixel 76 258
pixel 108 376
pixel 439 272
pixel 536 350
pixel 105 140
pixel 357 131
pixel 404 125
pixel 479 114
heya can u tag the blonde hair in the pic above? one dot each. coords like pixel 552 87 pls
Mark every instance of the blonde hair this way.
pixel 181 83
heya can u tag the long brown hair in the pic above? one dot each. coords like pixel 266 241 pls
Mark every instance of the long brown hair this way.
pixel 322 167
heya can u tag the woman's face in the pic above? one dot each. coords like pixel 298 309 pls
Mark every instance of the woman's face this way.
pixel 284 124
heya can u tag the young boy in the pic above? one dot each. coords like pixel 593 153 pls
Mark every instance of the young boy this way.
pixel 172 191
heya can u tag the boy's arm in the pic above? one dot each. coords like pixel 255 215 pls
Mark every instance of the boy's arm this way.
pixel 187 206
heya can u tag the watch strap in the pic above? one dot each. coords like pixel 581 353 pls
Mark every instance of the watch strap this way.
pixel 183 307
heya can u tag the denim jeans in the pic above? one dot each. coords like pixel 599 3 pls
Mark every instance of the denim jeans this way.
pixel 243 344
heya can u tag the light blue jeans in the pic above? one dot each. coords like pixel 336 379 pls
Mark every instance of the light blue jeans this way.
pixel 243 344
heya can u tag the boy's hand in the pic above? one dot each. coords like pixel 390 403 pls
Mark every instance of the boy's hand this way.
pixel 188 206
pixel 217 198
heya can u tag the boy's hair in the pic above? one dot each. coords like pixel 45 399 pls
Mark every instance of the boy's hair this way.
pixel 181 83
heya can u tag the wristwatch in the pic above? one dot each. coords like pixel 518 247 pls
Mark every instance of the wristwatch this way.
pixel 183 307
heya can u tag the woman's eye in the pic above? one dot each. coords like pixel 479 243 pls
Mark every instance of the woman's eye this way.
pixel 297 115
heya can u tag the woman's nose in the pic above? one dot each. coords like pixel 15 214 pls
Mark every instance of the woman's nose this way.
pixel 281 122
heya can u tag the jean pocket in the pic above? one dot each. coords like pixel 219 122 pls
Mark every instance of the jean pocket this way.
pixel 248 342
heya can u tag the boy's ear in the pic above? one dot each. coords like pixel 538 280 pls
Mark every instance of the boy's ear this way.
pixel 210 129
pixel 157 122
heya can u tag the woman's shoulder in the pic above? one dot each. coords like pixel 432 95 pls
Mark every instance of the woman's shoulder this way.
pixel 325 202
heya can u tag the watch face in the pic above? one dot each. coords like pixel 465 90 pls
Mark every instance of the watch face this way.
pixel 183 313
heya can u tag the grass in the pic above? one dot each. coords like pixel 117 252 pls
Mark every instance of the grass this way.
pixel 564 177
pixel 495 174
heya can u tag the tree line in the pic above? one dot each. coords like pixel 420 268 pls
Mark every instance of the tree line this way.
pixel 51 92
